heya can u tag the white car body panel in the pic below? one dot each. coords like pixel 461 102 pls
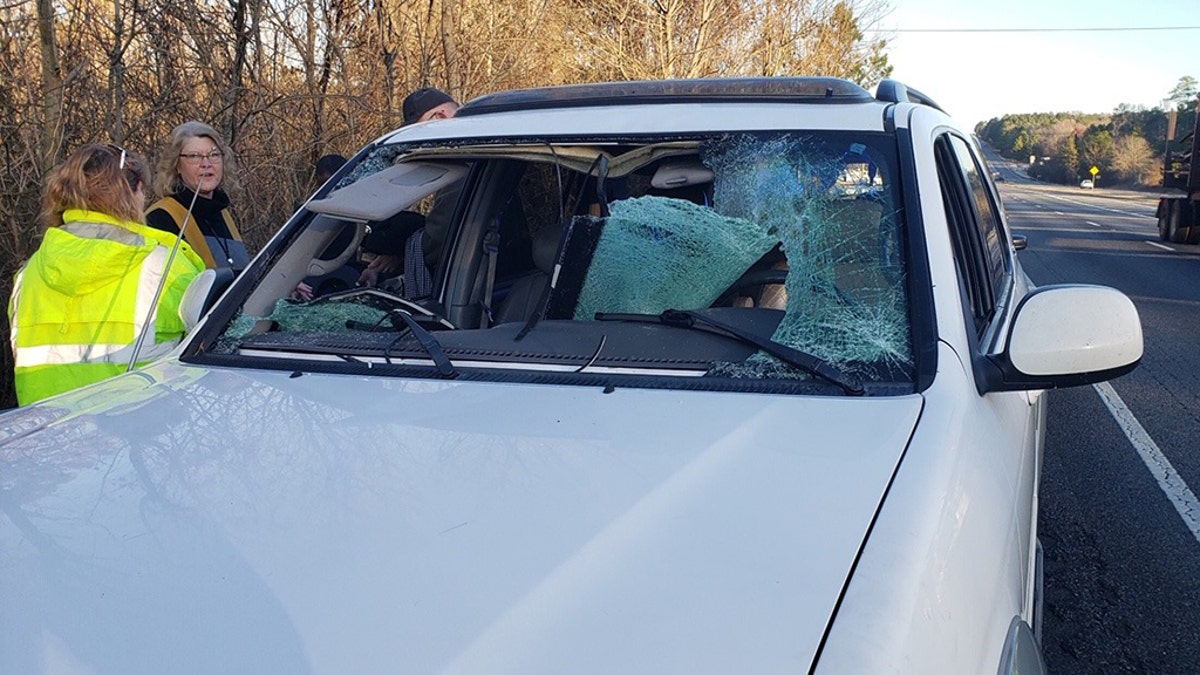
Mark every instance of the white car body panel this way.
pixel 550 530
pixel 948 560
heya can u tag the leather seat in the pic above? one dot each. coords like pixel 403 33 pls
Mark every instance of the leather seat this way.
pixel 526 292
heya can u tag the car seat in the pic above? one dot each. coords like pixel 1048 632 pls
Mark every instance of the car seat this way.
pixel 526 292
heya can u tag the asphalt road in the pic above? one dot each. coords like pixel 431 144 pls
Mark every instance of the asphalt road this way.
pixel 1119 520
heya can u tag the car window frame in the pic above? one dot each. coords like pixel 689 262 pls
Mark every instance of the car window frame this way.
pixel 986 269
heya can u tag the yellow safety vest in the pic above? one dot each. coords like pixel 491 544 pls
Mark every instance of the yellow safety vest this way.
pixel 86 294
pixel 192 233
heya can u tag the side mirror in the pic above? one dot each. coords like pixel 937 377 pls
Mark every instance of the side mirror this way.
pixel 1069 335
pixel 202 294
pixel 1020 242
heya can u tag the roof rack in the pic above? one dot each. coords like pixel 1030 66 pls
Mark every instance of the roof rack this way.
pixel 746 89
pixel 894 91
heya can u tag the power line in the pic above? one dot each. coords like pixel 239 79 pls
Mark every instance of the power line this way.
pixel 1096 29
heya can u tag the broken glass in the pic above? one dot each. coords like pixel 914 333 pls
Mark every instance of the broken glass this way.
pixel 658 253
pixel 830 208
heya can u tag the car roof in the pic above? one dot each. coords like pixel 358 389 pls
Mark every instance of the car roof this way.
pixel 816 90
pixel 666 107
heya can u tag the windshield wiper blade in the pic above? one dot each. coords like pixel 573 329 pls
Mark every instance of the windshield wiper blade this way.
pixel 803 360
pixel 429 343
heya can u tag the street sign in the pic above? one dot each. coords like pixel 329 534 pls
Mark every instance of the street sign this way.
pixel 1094 170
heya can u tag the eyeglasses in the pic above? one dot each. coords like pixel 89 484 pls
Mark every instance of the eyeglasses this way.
pixel 214 157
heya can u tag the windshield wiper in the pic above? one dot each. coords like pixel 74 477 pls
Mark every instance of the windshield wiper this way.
pixel 410 325
pixel 428 343
pixel 803 360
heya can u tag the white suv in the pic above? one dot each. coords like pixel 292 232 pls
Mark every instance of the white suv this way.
pixel 701 376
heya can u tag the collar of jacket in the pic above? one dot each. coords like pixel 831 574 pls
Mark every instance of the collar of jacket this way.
pixel 86 216
pixel 149 233
pixel 208 206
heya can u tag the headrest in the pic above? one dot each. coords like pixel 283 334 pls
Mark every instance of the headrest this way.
pixel 681 174
pixel 388 236
pixel 545 246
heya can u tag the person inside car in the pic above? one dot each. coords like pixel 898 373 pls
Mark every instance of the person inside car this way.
pixel 422 105
pixel 378 247
pixel 428 104
pixel 326 166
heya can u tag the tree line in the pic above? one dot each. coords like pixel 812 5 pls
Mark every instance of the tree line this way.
pixel 1127 145
pixel 287 81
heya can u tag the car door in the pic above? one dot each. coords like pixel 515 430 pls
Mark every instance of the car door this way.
pixel 1009 425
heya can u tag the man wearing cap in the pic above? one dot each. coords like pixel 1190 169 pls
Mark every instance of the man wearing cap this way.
pixel 428 104
pixel 421 105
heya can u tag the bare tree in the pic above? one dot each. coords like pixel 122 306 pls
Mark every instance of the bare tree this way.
pixel 52 88
pixel 116 74
pixel 646 39
pixel 1133 160
pixel 817 38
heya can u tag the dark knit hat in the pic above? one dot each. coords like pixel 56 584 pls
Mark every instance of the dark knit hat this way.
pixel 422 101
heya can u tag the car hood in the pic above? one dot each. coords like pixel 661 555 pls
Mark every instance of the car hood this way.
pixel 182 519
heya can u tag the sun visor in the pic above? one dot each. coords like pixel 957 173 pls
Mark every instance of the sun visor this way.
pixel 388 192
pixel 681 174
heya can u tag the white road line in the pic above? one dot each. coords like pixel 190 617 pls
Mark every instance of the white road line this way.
pixel 1093 205
pixel 1171 483
pixel 1094 224
pixel 1155 243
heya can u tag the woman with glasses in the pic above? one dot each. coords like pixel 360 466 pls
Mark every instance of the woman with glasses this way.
pixel 195 172
pixel 101 283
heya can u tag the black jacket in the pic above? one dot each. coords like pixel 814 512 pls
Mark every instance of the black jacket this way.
pixel 222 244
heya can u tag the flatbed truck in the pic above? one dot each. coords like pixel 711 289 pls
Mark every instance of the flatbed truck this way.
pixel 1179 216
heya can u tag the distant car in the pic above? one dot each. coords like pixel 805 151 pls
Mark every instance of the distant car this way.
pixel 997 176
pixel 702 376
pixel 1086 184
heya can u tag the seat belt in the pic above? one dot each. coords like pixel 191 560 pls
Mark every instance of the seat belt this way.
pixel 491 247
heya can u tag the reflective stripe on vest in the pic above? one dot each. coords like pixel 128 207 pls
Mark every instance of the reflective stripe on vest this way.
pixel 61 355
pixel 12 309
pixel 154 267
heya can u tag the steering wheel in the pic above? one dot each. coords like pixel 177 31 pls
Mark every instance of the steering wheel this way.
pixel 385 300
pixel 320 266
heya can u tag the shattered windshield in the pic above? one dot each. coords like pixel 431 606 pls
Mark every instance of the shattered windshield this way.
pixel 813 209
pixel 531 256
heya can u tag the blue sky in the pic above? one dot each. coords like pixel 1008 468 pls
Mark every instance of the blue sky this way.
pixel 976 76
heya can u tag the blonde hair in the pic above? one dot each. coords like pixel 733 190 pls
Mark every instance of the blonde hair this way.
pixel 96 177
pixel 166 174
